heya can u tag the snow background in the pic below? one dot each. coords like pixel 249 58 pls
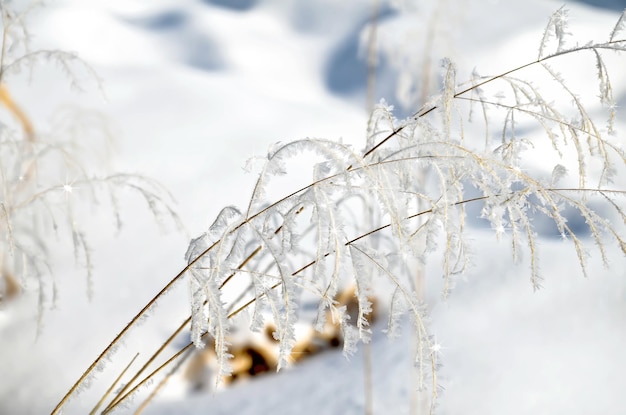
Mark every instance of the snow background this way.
pixel 192 90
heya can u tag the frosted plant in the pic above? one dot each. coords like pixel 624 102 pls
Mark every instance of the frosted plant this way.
pixel 412 39
pixel 308 241
pixel 44 178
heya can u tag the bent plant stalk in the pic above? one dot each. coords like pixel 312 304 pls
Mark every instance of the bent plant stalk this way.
pixel 549 192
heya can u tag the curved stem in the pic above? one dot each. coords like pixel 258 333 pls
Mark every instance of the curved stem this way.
pixel 396 131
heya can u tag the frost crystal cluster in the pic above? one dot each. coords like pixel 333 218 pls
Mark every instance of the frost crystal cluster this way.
pixel 368 217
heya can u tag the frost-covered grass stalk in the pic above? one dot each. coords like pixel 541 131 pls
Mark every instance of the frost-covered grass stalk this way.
pixel 310 241
pixel 47 176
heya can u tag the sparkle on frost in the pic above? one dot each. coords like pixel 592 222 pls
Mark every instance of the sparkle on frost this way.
pixel 68 187
pixel 436 348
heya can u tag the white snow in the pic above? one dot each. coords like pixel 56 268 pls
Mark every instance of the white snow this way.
pixel 191 91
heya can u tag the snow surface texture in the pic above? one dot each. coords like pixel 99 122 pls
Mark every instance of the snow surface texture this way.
pixel 194 89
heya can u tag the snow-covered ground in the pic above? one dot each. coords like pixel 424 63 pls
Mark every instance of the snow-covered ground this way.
pixel 192 89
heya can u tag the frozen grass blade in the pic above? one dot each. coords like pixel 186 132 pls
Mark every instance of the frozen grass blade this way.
pixel 94 411
pixel 269 238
